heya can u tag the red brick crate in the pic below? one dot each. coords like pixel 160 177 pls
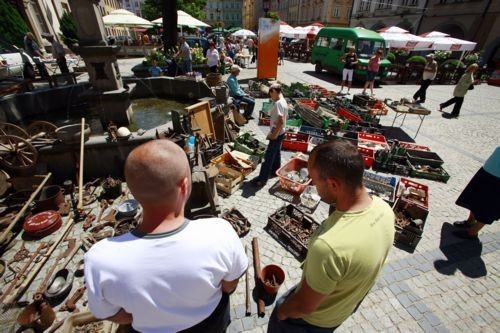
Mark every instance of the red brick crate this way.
pixel 343 112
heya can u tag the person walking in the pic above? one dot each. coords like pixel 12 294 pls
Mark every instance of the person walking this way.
pixel 345 254
pixel 212 58
pixel 350 59
pixel 279 115
pixel 238 94
pixel 170 274
pixel 372 71
pixel 185 54
pixel 429 74
pixel 58 53
pixel 465 83
pixel 481 197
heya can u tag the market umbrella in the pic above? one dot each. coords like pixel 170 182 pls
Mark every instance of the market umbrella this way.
pixel 317 24
pixel 311 31
pixel 244 33
pixel 407 41
pixel 124 18
pixel 184 19
pixel 452 44
pixel 284 28
pixel 434 34
pixel 234 29
pixel 219 29
pixel 393 30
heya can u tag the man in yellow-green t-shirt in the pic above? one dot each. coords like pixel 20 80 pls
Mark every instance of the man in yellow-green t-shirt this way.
pixel 346 253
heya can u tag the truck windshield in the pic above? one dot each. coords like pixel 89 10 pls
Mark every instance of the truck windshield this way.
pixel 367 48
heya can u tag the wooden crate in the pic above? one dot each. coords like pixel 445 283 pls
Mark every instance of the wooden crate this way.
pixel 228 180
pixel 201 118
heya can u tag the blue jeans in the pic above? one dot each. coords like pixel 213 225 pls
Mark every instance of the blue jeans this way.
pixel 272 159
pixel 250 104
pixel 187 66
pixel 292 325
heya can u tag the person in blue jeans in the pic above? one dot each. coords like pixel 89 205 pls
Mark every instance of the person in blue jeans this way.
pixel 238 94
pixel 279 114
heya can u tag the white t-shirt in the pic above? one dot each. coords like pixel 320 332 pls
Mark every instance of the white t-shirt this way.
pixel 168 282
pixel 432 67
pixel 279 109
pixel 212 57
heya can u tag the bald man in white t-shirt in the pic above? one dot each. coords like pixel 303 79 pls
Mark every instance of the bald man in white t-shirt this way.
pixel 170 274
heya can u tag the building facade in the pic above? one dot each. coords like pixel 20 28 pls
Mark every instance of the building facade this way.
pixel 377 14
pixel 474 20
pixel 44 15
pixel 133 6
pixel 224 13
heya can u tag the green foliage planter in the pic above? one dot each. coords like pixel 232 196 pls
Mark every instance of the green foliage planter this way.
pixel 12 26
pixel 452 64
pixel 416 60
pixel 391 57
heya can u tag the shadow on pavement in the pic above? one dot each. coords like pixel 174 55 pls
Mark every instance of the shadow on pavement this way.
pixel 464 256
pixel 249 190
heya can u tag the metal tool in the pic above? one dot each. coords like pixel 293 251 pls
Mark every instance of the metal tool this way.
pixel 248 306
pixel 70 304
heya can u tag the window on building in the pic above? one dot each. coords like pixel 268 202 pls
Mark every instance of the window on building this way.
pixel 388 3
pixel 442 2
pixel 365 5
pixel 336 12
pixel 336 43
pixel 381 4
pixel 39 16
pixel 211 16
pixel 413 3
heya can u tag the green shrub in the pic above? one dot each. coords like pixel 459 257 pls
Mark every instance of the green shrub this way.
pixel 452 63
pixel 391 57
pixel 12 26
pixel 471 59
pixel 441 56
pixel 416 59
pixel 69 33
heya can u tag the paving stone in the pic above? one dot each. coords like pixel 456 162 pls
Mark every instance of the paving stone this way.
pixel 235 326
pixel 248 323
pixel 432 319
pixel 404 300
pixel 414 312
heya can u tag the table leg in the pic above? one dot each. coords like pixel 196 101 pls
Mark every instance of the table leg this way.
pixel 422 117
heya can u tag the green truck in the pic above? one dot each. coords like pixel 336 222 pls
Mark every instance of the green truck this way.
pixel 332 43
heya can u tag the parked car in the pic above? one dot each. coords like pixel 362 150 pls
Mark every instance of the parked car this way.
pixel 12 61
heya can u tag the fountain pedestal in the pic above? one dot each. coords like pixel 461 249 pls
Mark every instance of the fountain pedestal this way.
pixel 108 95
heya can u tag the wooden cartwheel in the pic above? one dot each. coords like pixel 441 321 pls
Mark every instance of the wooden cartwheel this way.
pixel 18 148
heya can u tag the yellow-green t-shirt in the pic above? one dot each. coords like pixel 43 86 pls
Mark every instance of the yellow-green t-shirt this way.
pixel 345 256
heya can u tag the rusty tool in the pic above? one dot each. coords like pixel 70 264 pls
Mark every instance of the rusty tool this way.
pixel 20 276
pixel 38 313
pixel 80 167
pixel 43 285
pixel 261 311
pixel 70 304
pixel 248 306
pixel 20 214
pixel 36 268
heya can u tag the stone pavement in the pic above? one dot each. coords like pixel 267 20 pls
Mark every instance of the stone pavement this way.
pixel 447 284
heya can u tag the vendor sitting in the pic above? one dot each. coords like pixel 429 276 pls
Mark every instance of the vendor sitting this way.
pixel 155 70
pixel 238 94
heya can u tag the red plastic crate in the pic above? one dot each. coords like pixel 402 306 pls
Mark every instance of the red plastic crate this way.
pixel 343 112
pixel 371 137
pixel 407 183
pixel 366 152
pixel 295 164
pixel 368 161
pixel 296 142
pixel 411 145
pixel 308 103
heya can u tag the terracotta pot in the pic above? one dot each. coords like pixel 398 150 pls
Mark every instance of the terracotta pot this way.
pixel 50 198
pixel 267 275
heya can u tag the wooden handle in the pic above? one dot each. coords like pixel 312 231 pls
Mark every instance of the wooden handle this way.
pixel 25 207
pixel 258 278
pixel 248 311
pixel 80 176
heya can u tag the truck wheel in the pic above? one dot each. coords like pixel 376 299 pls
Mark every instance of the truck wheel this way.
pixel 318 68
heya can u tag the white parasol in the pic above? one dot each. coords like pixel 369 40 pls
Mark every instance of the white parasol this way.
pixel 124 18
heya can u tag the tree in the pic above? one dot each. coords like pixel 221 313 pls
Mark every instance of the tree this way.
pixel 69 33
pixel 169 15
pixel 151 8
pixel 12 26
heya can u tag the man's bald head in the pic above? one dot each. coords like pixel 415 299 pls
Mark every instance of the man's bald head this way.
pixel 155 171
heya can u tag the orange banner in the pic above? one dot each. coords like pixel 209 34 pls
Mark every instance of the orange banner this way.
pixel 267 58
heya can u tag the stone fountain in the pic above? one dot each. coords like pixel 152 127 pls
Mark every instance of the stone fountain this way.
pixel 108 96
